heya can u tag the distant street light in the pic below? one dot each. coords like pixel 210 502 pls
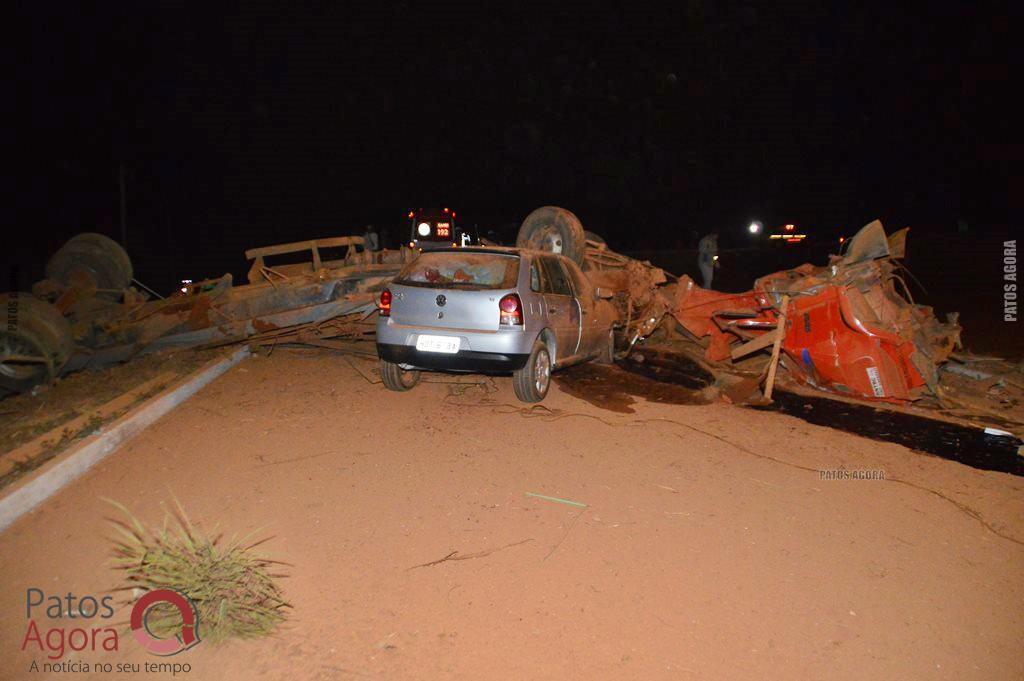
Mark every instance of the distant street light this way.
pixel 755 227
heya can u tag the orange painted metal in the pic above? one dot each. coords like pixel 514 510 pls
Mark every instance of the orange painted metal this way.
pixel 848 329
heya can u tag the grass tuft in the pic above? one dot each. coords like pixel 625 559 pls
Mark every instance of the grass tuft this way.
pixel 234 590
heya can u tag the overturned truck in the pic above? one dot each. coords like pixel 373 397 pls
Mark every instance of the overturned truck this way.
pixel 88 313
pixel 849 330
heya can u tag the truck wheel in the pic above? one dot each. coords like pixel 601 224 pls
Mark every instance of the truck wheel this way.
pixel 396 378
pixel 531 383
pixel 553 229
pixel 35 343
pixel 92 259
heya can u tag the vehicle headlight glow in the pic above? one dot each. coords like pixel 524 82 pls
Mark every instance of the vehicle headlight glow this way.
pixel 423 229
pixel 754 228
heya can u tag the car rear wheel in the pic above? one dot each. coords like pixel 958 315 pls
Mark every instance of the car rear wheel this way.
pixel 396 378
pixel 531 383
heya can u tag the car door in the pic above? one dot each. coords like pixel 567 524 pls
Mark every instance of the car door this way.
pixel 593 331
pixel 562 311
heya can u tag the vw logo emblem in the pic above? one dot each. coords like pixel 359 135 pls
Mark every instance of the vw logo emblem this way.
pixel 441 300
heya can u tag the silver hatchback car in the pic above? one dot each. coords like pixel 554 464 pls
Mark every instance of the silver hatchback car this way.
pixel 492 310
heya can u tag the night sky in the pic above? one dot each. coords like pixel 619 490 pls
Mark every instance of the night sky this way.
pixel 254 123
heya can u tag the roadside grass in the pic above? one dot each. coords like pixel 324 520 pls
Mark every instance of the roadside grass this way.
pixel 51 448
pixel 234 590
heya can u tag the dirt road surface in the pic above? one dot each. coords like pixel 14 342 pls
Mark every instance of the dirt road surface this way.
pixel 710 547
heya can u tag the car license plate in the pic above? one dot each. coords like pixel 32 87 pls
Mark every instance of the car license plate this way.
pixel 437 344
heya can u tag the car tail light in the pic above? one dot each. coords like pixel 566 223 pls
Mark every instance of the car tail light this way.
pixel 511 309
pixel 385 303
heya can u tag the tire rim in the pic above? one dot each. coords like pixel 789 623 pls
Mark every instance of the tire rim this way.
pixel 407 378
pixel 542 372
pixel 16 346
pixel 547 238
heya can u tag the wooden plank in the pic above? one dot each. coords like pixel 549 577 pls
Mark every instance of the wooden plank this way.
pixel 780 333
pixel 295 246
pixel 758 343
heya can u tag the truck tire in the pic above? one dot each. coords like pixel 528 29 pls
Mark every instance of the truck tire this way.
pixel 34 328
pixel 553 229
pixel 95 259
pixel 531 383
pixel 396 378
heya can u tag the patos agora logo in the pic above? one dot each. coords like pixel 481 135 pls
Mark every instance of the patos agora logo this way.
pixel 185 639
pixel 51 635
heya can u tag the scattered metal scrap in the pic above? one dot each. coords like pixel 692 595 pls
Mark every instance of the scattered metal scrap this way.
pixel 87 313
pixel 854 332
pixel 344 333
pixel 849 330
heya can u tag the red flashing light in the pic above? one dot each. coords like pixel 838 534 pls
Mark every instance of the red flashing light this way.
pixel 384 306
pixel 411 214
pixel 511 310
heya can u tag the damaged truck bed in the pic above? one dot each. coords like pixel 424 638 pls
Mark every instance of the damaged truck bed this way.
pixel 86 313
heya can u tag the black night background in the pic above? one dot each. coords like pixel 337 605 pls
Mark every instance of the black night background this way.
pixel 237 125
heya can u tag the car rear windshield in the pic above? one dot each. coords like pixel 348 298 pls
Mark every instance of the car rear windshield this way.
pixel 461 270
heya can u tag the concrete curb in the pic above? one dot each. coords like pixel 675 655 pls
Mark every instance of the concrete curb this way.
pixel 27 494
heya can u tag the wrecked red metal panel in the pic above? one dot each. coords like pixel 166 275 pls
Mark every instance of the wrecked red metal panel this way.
pixel 827 345
pixel 849 330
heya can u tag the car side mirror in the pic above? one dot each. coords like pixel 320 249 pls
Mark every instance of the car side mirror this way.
pixel 602 293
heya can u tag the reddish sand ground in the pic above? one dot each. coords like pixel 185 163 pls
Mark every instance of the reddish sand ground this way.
pixel 711 547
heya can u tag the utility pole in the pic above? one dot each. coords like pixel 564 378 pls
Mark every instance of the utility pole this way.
pixel 124 224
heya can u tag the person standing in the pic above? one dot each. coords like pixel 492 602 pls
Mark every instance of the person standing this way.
pixel 370 239
pixel 707 257
pixel 371 244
